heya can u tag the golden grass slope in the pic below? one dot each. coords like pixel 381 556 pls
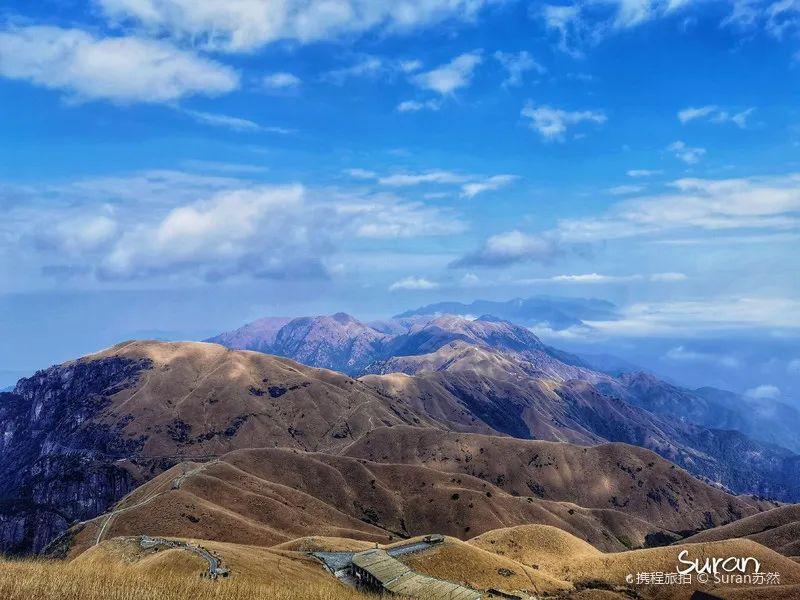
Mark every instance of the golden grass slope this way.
pixel 271 496
pixel 540 558
pixel 540 546
pixel 614 477
pixel 200 399
pixel 169 575
pixel 778 529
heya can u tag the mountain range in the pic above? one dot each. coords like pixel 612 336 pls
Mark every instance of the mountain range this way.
pixel 79 436
pixel 556 312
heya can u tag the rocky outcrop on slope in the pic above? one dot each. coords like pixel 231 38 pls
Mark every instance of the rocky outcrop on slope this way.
pixel 56 464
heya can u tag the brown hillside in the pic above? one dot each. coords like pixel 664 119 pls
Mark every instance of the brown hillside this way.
pixel 778 529
pixel 615 477
pixel 572 567
pixel 270 496
pixel 198 399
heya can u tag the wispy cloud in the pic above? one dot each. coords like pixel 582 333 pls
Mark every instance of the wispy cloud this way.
pixel 695 318
pixel 119 69
pixel 366 66
pixel 764 391
pixel 715 114
pixel 767 203
pixel 496 182
pixel 517 65
pixel 683 354
pixel 410 106
pixel 705 204
pixel 413 283
pixel 599 278
pixel 552 123
pixel 451 76
pixel 624 190
pixel 248 25
pixel 281 81
pixel 509 248
pixel 637 173
pixel 233 123
pixel 470 185
pixel 688 154
pixel 179 226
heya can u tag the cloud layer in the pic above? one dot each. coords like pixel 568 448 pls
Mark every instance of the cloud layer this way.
pixel 121 69
pixel 245 25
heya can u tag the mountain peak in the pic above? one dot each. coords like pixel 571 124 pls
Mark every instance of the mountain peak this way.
pixel 343 317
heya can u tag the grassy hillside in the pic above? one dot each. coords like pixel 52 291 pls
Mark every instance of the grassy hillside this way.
pixel 46 580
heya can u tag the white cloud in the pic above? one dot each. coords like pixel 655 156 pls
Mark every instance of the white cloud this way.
pixel 589 278
pixel 413 283
pixel 686 153
pixel 232 123
pixel 79 234
pixel 366 66
pixel 715 115
pixel 409 66
pixel 793 366
pixel 510 247
pixel 682 354
pixel 595 278
pixel 407 179
pixel 120 69
pixel 624 190
pixel 471 280
pixel 148 227
pixel 407 106
pixel 281 81
pixel 361 173
pixel 258 229
pixel 709 204
pixel 764 392
pixel 470 190
pixel 516 65
pixel 245 25
pixel 471 185
pixel 552 123
pixel 699 317
pixel 224 167
pixel 451 76
pixel 586 23
pixel 690 114
pixel 387 218
pixel 668 277
pixel 636 173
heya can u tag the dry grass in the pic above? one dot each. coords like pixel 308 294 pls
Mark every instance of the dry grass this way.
pixel 50 580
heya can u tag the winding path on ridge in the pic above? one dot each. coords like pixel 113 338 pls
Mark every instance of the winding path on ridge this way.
pixel 174 484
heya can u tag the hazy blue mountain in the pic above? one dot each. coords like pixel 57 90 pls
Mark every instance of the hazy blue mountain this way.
pixel 558 312
pixel 608 363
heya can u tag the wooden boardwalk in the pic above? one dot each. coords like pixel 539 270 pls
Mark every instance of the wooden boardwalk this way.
pixel 377 570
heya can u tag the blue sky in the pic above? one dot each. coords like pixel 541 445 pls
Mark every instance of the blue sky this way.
pixel 175 168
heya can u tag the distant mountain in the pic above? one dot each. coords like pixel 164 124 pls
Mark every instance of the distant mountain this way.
pixel 608 363
pixel 532 395
pixel 486 330
pixel 343 343
pixel 759 418
pixel 339 342
pixel 415 344
pixel 556 312
pixel 258 335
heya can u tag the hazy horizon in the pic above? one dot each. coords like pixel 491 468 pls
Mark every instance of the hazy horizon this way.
pixel 165 173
